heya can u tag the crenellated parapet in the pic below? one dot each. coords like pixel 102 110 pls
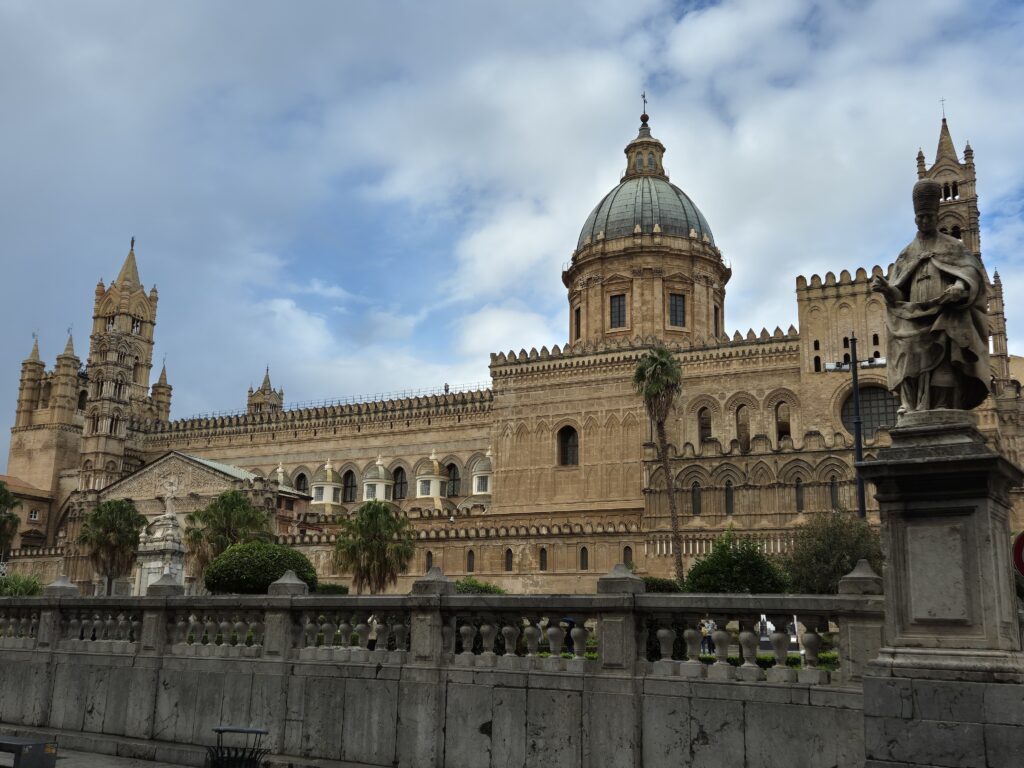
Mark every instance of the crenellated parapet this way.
pixel 861 279
pixel 369 413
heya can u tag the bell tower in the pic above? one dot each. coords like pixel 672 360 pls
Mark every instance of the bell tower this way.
pixel 958 207
pixel 120 359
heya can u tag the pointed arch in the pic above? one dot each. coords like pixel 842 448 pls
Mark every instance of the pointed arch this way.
pixel 761 474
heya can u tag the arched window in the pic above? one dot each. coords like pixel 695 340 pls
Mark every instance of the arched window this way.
pixel 82 397
pixel 782 428
pixel 956 232
pixel 730 498
pixel 302 482
pixel 846 342
pixel 846 359
pixel 568 447
pixel 453 481
pixel 695 498
pixel 650 161
pixel 627 555
pixel 348 486
pixel 508 560
pixel 817 364
pixel 799 492
pixel 136 326
pixel 584 559
pixel 115 424
pixel 743 427
pixel 470 561
pixel 946 194
pixel 639 161
pixel 95 423
pixel 110 323
pixel 956 190
pixel 877 354
pixel 119 389
pixel 401 484
pixel 704 424
pixel 817 345
pixel 430 559
pixel 874 339
pixel 833 492
pixel 543 558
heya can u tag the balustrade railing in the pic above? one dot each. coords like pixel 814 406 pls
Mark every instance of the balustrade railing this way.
pixel 618 630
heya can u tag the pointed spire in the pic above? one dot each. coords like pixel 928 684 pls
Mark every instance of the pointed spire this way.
pixel 129 270
pixel 946 150
pixel 266 381
pixel 163 375
pixel 921 169
pixel 34 354
pixel 69 348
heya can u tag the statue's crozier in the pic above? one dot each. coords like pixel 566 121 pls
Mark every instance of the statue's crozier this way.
pixel 936 321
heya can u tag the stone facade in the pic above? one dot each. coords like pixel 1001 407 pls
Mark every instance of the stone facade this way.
pixel 548 477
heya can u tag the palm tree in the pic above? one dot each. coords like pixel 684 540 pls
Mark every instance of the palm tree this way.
pixel 657 379
pixel 228 519
pixel 9 521
pixel 110 533
pixel 374 546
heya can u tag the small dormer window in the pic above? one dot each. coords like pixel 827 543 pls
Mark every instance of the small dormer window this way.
pixel 336 495
pixel 371 491
pixel 483 484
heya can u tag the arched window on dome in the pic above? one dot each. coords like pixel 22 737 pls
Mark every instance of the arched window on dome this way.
pixel 348 486
pixel 704 424
pixel 650 161
pixel 639 162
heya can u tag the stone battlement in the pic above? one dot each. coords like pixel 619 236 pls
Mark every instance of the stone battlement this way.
pixel 861 278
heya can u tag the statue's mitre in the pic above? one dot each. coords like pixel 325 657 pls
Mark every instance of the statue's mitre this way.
pixel 927 193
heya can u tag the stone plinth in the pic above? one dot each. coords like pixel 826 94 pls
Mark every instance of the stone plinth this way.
pixel 952 649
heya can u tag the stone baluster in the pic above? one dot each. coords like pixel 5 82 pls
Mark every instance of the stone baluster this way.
pixel 4 623
pixel 330 632
pixel 809 673
pixel 721 669
pixel 382 633
pixel 400 632
pixel 224 627
pixel 23 630
pixel 256 629
pixel 209 631
pixel 750 671
pixel 123 630
pixel 448 637
pixel 363 633
pixel 239 631
pixel 467 633
pixel 579 636
pixel 532 636
pixel 780 640
pixel 135 629
pixel 693 666
pixel 344 632
pixel 97 628
pixel 556 638
pixel 510 634
pixel 488 634
pixel 309 631
pixel 666 637
pixel 195 630
pixel 109 627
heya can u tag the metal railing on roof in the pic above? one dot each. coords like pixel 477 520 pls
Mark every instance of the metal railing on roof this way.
pixel 355 399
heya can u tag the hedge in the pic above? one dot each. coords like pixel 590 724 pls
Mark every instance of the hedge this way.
pixel 250 568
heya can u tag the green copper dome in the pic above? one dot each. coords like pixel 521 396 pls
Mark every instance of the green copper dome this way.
pixel 645 200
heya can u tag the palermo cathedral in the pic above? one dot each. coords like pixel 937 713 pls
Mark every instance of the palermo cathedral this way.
pixel 548 478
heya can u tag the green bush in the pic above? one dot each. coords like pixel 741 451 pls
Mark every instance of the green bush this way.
pixel 471 586
pixel 250 568
pixel 331 589
pixel 19 585
pixel 735 565
pixel 827 548
pixel 654 584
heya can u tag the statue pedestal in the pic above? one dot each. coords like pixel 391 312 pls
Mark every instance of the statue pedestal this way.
pixel 951 663
pixel 161 552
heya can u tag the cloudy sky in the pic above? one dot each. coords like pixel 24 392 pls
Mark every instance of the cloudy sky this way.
pixel 372 196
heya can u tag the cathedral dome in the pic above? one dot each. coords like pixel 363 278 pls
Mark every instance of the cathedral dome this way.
pixel 644 201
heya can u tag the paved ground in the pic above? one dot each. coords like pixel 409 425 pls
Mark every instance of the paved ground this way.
pixel 68 759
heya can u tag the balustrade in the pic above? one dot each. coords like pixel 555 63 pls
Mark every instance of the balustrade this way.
pixel 225 632
pixel 19 627
pixel 100 628
pixel 342 629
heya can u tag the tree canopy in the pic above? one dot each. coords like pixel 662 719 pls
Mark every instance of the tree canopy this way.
pixel 658 379
pixel 735 565
pixel 9 521
pixel 228 519
pixel 110 534
pixel 375 546
pixel 826 548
